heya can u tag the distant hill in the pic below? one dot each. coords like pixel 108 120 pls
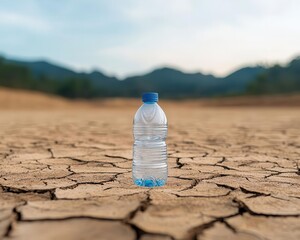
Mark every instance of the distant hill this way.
pixel 277 79
pixel 69 82
pixel 169 82
pixel 238 81
pixel 42 69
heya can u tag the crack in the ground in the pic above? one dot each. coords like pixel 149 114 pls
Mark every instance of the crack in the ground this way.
pixel 225 167
pixel 244 208
pixel 199 230
pixel 225 186
pixel 179 164
pixel 298 167
pixel 62 177
pixel 113 156
pixel 20 190
pixel 112 179
pixel 256 194
pixel 68 218
pixel 95 161
pixel 194 183
pixel 200 196
pixel 143 206
pixel 272 174
pixel 51 152
pixel 222 160
pixel 16 218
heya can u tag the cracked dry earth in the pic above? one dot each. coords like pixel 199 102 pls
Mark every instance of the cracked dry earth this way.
pixel 233 174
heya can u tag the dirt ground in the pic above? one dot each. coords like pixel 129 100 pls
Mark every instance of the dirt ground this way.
pixel 233 174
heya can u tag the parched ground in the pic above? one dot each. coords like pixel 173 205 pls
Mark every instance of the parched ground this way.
pixel 233 174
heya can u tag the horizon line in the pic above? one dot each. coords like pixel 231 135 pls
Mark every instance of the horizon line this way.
pixel 152 69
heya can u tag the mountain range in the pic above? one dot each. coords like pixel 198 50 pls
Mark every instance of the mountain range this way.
pixel 169 82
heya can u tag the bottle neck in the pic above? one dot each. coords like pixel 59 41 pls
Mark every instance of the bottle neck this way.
pixel 149 102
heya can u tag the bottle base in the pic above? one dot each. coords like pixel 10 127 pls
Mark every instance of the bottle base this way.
pixel 149 182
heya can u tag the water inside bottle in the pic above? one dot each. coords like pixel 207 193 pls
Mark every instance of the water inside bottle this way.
pixel 150 167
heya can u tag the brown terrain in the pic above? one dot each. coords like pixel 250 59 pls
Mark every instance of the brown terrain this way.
pixel 65 170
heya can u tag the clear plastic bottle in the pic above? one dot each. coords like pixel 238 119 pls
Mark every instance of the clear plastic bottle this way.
pixel 149 168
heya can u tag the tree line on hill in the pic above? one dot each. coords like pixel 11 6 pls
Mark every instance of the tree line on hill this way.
pixel 277 79
pixel 17 76
pixel 170 83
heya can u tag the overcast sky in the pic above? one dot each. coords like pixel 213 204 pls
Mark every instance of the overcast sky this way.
pixel 125 37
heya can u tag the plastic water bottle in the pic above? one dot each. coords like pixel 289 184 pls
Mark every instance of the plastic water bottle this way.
pixel 149 168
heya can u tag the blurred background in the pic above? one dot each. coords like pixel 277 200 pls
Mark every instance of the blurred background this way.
pixel 220 53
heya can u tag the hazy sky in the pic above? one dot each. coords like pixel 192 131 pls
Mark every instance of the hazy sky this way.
pixel 125 37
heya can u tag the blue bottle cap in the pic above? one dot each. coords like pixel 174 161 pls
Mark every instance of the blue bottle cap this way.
pixel 150 97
